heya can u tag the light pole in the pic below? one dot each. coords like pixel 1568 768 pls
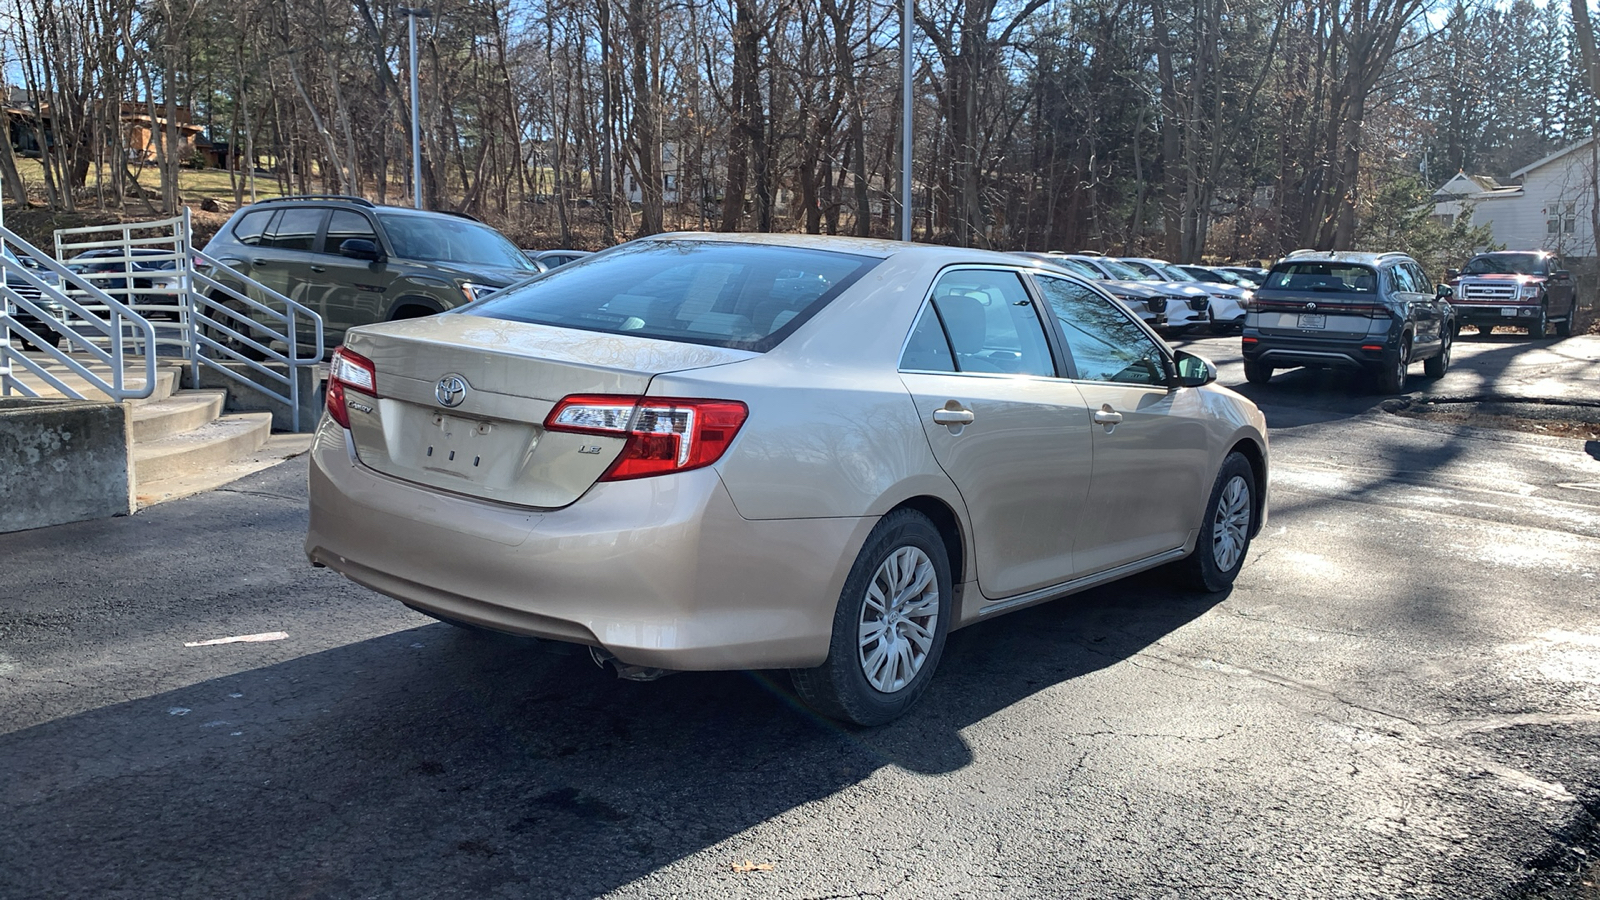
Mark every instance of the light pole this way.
pixel 907 8
pixel 413 14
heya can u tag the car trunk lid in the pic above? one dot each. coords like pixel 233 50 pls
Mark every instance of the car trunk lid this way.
pixel 461 402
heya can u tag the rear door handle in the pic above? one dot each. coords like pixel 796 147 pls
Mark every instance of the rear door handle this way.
pixel 1105 415
pixel 318 269
pixel 953 417
pixel 258 262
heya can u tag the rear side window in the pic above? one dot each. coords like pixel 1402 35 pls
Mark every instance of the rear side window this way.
pixel 1324 276
pixel 251 226
pixel 927 350
pixel 992 323
pixel 295 229
pixel 743 296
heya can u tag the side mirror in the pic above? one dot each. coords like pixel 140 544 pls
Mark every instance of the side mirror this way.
pixel 1452 274
pixel 1444 292
pixel 1193 371
pixel 361 248
pixel 1561 275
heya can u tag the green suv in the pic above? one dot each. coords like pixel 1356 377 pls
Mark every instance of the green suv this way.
pixel 355 263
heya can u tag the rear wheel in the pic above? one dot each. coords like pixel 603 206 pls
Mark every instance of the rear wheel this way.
pixel 47 335
pixel 1229 522
pixel 1485 330
pixel 236 319
pixel 889 627
pixel 1392 378
pixel 1436 366
pixel 1257 373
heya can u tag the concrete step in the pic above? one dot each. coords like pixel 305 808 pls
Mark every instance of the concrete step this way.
pixel 209 446
pixel 167 377
pixel 183 411
pixel 278 448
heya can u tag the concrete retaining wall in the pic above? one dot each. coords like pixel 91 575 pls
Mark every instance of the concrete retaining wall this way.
pixel 243 398
pixel 63 461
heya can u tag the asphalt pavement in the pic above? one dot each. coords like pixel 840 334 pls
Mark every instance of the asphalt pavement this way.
pixel 1399 697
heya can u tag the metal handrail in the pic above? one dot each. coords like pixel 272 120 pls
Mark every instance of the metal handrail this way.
pixel 118 319
pixel 247 326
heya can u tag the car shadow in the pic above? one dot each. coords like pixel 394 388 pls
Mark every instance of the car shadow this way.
pixel 436 761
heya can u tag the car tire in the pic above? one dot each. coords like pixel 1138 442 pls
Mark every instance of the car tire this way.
pixel 1564 327
pixel 1436 366
pixel 46 334
pixel 904 558
pixel 1257 373
pixel 1392 378
pixel 1539 326
pixel 1225 532
pixel 222 337
pixel 1485 330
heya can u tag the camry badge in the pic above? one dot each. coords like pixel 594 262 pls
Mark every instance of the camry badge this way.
pixel 451 390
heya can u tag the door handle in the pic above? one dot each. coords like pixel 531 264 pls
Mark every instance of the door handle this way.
pixel 259 262
pixel 318 269
pixel 953 417
pixel 1105 415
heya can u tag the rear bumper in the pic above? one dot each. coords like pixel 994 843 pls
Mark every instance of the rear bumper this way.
pixel 661 572
pixel 1289 352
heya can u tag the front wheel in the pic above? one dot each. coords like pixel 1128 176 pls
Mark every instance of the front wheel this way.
pixel 889 627
pixel 1538 327
pixel 1436 366
pixel 1564 327
pixel 1230 520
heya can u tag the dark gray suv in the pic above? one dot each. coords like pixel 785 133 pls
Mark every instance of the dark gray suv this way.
pixel 1372 312
pixel 355 263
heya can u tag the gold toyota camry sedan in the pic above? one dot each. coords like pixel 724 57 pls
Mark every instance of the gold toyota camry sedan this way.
pixel 767 451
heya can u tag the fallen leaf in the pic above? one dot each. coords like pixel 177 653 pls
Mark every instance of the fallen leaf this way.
pixel 747 867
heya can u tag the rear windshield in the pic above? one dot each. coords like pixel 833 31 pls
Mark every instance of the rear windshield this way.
pixel 743 296
pixel 1503 263
pixel 1344 278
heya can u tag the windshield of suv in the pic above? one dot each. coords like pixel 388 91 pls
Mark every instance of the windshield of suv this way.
pixel 1324 276
pixel 1119 270
pixel 1504 263
pixel 449 240
pixel 743 296
pixel 1175 274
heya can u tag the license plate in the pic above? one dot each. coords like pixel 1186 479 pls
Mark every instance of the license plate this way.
pixel 456 446
pixel 1509 312
pixel 1313 321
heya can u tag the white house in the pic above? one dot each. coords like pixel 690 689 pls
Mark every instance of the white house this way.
pixel 1548 208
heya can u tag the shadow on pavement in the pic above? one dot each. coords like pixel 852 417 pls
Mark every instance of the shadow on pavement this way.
pixel 433 761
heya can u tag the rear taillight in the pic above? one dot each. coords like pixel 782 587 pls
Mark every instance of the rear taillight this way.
pixel 664 434
pixel 349 371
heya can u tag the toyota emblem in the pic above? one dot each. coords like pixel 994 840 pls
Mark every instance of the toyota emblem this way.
pixel 451 390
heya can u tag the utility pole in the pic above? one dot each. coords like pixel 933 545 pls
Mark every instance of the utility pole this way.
pixel 907 14
pixel 413 14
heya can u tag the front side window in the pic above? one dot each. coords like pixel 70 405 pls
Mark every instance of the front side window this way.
pixel 1105 344
pixel 346 225
pixel 743 296
pixel 991 322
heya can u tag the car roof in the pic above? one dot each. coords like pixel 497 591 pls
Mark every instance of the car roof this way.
pixel 875 247
pixel 1359 257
